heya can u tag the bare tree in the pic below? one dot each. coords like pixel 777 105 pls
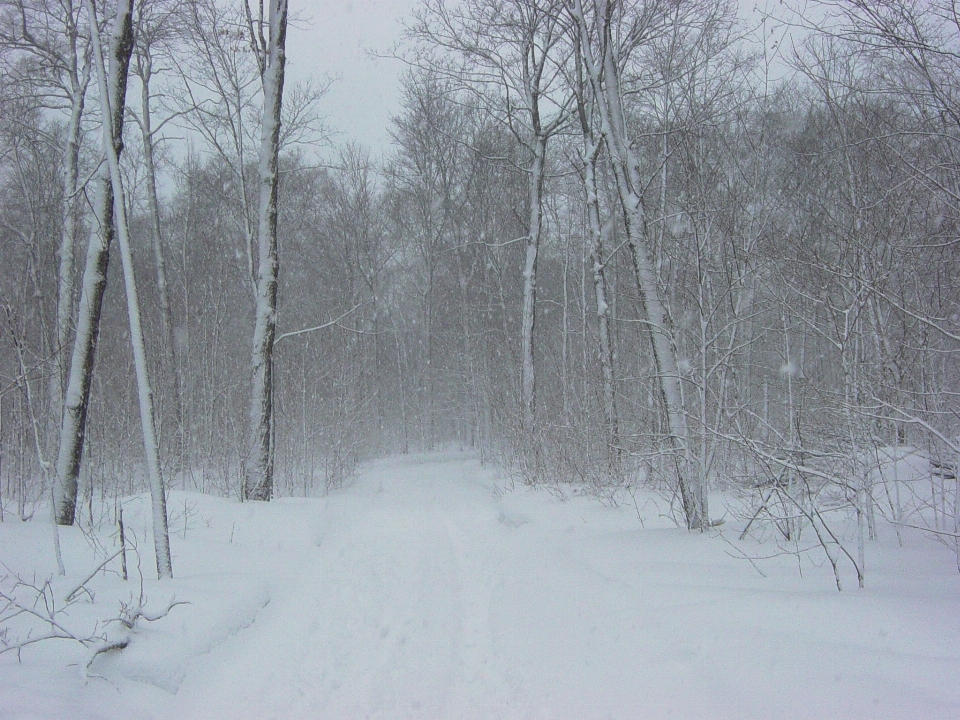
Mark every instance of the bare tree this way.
pixel 924 36
pixel 155 30
pixel 109 89
pixel 427 179
pixel 94 283
pixel 270 51
pixel 597 35
pixel 589 161
pixel 52 39
pixel 508 56
pixel 694 79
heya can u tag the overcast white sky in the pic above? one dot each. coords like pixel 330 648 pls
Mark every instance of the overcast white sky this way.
pixel 332 37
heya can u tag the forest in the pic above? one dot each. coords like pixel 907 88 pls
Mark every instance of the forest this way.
pixel 614 244
pixel 585 398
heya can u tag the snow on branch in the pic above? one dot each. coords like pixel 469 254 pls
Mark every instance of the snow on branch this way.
pixel 32 613
pixel 329 323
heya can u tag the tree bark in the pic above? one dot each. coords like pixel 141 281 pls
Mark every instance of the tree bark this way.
pixel 529 314
pixel 94 283
pixel 108 89
pixel 69 178
pixel 603 76
pixel 603 308
pixel 258 475
pixel 588 176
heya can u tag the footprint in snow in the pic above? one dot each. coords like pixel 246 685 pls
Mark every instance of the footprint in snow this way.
pixel 512 519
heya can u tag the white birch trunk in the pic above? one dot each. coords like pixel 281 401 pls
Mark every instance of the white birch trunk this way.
pixel 258 475
pixel 604 80
pixel 600 290
pixel 529 314
pixel 94 283
pixel 69 178
pixel 113 88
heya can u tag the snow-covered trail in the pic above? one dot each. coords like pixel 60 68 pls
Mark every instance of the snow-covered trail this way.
pixel 383 613
pixel 418 595
pixel 424 591
pixel 421 592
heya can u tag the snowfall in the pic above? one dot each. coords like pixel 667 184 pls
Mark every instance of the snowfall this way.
pixel 433 587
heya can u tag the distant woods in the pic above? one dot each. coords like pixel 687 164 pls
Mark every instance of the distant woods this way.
pixel 612 242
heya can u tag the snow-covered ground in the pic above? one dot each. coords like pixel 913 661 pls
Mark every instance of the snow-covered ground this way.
pixel 427 590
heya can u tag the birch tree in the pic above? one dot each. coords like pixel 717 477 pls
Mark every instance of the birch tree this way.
pixel 110 89
pixel 268 35
pixel 596 33
pixel 51 37
pixel 693 81
pixel 589 160
pixel 94 282
pixel 156 27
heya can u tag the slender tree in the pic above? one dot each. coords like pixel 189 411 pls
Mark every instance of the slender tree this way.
pixel 508 55
pixel 108 85
pixel 268 34
pixel 155 30
pixel 602 60
pixel 52 38
pixel 94 282
pixel 588 168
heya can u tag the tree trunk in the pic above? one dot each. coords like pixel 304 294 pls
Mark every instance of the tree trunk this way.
pixel 145 72
pixel 258 476
pixel 94 283
pixel 69 177
pixel 109 89
pixel 603 308
pixel 529 314
pixel 604 79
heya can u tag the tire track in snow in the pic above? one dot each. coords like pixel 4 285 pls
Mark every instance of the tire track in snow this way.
pixel 473 646
pixel 386 614
pixel 390 611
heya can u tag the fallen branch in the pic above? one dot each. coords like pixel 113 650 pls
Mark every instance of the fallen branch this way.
pixel 70 595
pixel 41 606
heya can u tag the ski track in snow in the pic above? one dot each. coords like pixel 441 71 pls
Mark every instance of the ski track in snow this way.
pixel 420 592
pixel 386 615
